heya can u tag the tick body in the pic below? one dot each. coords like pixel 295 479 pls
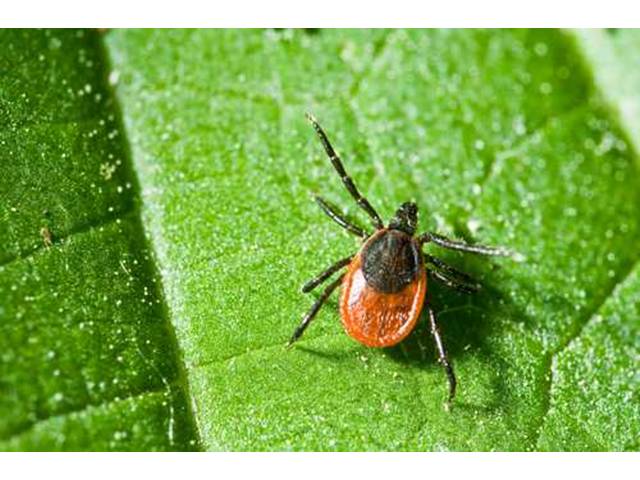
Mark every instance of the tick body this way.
pixel 385 283
pixel 383 290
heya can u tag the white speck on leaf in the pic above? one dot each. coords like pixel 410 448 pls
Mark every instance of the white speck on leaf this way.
pixel 114 76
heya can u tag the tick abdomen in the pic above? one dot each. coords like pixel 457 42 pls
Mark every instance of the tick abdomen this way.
pixel 390 261
pixel 374 317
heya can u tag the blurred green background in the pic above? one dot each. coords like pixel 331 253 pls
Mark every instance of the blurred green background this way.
pixel 156 225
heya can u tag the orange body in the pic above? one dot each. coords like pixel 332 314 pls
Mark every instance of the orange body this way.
pixel 379 319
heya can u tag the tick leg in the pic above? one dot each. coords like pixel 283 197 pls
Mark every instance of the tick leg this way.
pixel 346 179
pixel 318 279
pixel 339 219
pixel 442 356
pixel 444 242
pixel 453 283
pixel 314 310
pixel 451 277
pixel 445 267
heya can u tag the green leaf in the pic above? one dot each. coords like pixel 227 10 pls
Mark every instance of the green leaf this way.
pixel 612 53
pixel 595 394
pixel 87 358
pixel 502 137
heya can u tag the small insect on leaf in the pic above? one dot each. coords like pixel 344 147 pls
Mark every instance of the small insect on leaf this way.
pixel 385 283
pixel 47 237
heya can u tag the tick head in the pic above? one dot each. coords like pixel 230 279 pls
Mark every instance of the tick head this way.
pixel 405 218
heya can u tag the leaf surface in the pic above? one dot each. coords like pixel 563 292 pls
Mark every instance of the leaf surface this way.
pixel 500 136
pixel 88 358
pixel 516 138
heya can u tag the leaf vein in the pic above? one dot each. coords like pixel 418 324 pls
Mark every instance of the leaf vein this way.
pixel 86 408
pixel 235 356
pixel 491 169
pixel 621 277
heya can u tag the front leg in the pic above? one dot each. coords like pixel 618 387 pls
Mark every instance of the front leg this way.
pixel 340 219
pixel 445 242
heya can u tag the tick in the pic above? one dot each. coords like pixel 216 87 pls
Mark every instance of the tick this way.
pixel 385 283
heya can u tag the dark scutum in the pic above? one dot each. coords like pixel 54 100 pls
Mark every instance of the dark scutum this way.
pixel 390 261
